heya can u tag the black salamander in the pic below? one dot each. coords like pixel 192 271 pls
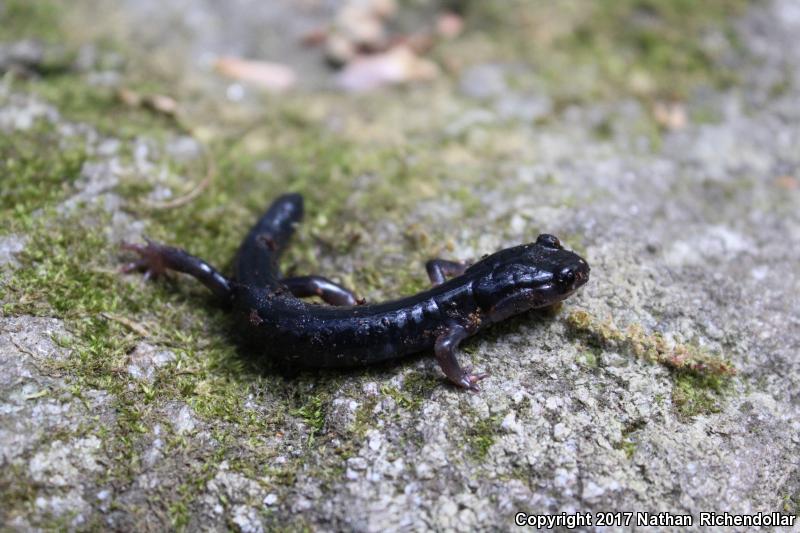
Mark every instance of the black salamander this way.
pixel 347 334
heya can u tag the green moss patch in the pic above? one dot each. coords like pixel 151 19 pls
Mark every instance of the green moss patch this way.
pixel 790 504
pixel 314 412
pixel 629 441
pixel 481 435
pixel 653 347
pixel 100 107
pixel 26 19
pixel 38 168
pixel 695 394
pixel 701 378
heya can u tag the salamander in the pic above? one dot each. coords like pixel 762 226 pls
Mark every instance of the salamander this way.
pixel 464 298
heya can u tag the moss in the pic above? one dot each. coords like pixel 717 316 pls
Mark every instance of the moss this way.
pixel 653 347
pixel 790 504
pixel 35 175
pixel 66 273
pixel 589 359
pixel 16 495
pixel 781 87
pixel 629 442
pixel 701 379
pixel 395 394
pixel 364 417
pixel 629 447
pixel 403 400
pixel 314 412
pixel 99 107
pixel 63 273
pixel 481 435
pixel 28 19
pixel 420 384
pixel 604 129
pixel 695 394
pixel 705 115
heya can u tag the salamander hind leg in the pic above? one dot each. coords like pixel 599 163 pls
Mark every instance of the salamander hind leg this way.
pixel 439 269
pixel 330 291
pixel 445 348
pixel 156 259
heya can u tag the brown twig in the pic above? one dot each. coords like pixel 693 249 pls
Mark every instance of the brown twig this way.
pixel 128 323
pixel 211 170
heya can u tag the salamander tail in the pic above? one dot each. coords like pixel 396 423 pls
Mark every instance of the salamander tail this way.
pixel 257 260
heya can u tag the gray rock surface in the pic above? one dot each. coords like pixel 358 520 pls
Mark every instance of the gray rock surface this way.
pixel 696 237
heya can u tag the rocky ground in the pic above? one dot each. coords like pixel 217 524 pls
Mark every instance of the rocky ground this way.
pixel 669 383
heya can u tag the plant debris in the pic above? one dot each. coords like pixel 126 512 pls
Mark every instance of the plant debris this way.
pixel 274 77
pixel 398 65
pixel 653 347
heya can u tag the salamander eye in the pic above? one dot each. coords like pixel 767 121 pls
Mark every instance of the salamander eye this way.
pixel 566 277
pixel 548 241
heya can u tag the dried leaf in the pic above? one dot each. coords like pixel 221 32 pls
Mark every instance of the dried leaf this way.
pixel 398 65
pixel 339 50
pixel 315 37
pixel 419 43
pixel 384 9
pixel 129 97
pixel 360 26
pixel 160 103
pixel 449 25
pixel 670 115
pixel 271 76
pixel 789 183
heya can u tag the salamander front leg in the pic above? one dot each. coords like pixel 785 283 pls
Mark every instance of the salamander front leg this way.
pixel 446 346
pixel 331 292
pixel 155 259
pixel 439 269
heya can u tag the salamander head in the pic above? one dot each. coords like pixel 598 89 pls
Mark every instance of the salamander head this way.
pixel 525 277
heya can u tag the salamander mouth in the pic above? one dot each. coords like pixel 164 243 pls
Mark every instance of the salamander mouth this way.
pixel 581 277
pixel 572 277
pixel 523 300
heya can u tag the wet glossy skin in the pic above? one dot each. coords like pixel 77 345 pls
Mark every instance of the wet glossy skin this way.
pixel 346 334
